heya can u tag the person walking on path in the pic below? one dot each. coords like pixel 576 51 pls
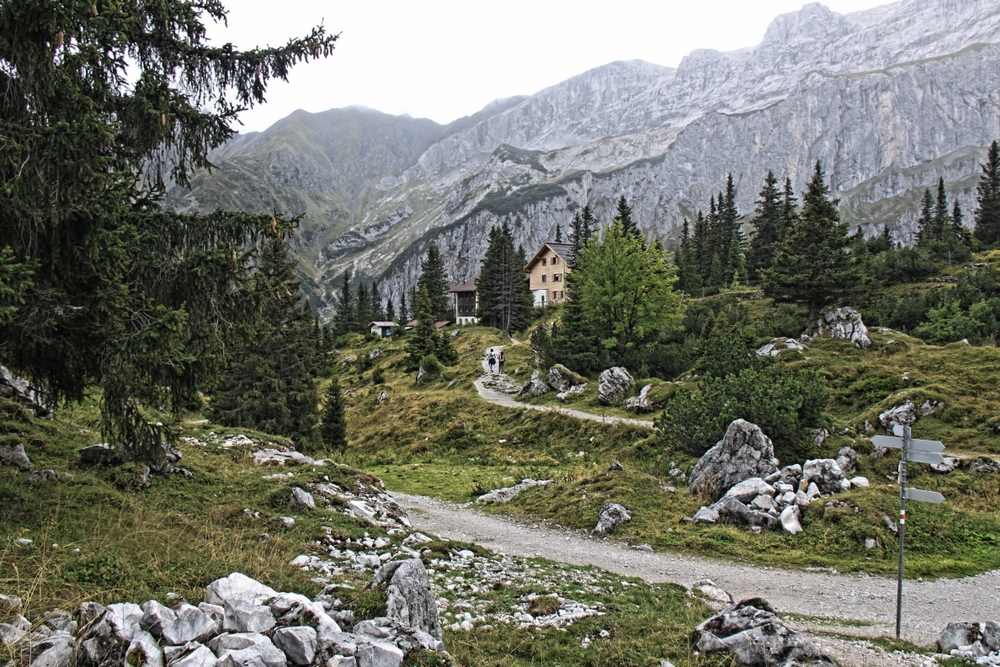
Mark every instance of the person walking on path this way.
pixel 501 361
pixel 491 360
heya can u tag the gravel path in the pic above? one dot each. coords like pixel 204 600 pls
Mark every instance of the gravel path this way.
pixel 506 401
pixel 927 605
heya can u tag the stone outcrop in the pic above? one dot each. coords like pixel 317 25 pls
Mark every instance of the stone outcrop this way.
pixel 778 345
pixel 613 385
pixel 535 386
pixel 14 455
pixel 611 516
pixel 507 493
pixel 845 324
pixel 743 453
pixel 562 379
pixel 753 635
pixel 901 415
pixel 641 402
pixel 410 601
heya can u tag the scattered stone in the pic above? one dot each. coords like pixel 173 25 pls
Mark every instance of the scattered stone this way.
pixel 984 465
pixel 505 494
pixel 824 473
pixel 743 453
pixel 859 482
pixel 733 512
pixel 819 436
pixel 613 385
pixel 375 354
pixel 287 522
pixel 37 401
pixel 143 651
pixel 709 590
pixel 421 374
pixel 752 633
pixel 616 467
pixel 778 345
pixel 41 476
pixel 247 650
pixel 535 386
pixel 378 654
pixel 956 635
pixel 991 635
pixel 790 519
pixel 191 655
pixel 845 324
pixel 931 407
pixel 749 489
pixel 949 464
pixel 901 415
pixel 301 499
pixel 383 397
pixel 870 543
pixel 13 455
pixel 242 616
pixel 410 600
pixel 611 515
pixel 706 515
pixel 277 457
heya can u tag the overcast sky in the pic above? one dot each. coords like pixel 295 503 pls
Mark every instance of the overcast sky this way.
pixel 444 59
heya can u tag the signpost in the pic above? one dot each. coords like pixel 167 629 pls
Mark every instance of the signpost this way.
pixel 918 451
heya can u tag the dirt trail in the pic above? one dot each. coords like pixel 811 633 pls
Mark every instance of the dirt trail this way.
pixel 927 605
pixel 506 401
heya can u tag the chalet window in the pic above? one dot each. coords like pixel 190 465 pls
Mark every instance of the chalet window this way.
pixel 555 277
pixel 555 260
pixel 555 294
pixel 545 278
pixel 543 261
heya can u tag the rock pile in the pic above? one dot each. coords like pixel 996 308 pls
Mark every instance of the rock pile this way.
pixel 535 386
pixel 559 379
pixel 978 642
pixel 507 493
pixel 613 385
pixel 743 453
pixel 752 633
pixel 778 345
pixel 241 623
pixel 845 324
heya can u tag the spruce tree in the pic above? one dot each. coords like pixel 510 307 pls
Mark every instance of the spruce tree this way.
pixel 404 312
pixel 957 229
pixel 987 216
pixel 333 431
pixel 769 222
pixel 363 308
pixel 623 214
pixel 270 385
pixel 574 233
pixel 814 265
pixel 504 298
pixel 435 281
pixel 789 203
pixel 927 233
pixel 702 247
pixel 378 308
pixel 425 339
pixel 736 269
pixel 588 225
pixel 390 311
pixel 345 318
pixel 103 104
pixel 942 221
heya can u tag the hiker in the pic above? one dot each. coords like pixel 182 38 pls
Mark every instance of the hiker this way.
pixel 491 359
pixel 501 361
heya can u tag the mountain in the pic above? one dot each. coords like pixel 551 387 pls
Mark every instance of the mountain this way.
pixel 888 99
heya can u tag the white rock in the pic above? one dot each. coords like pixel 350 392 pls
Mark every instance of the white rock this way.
pixel 859 482
pixel 191 625
pixel 143 651
pixel 342 661
pixel 248 650
pixel 155 616
pixel 749 489
pixel 301 499
pixel 378 654
pixel 194 655
pixel 298 643
pixel 242 616
pixel 789 519
pixel 237 586
pixel 287 522
pixel 124 618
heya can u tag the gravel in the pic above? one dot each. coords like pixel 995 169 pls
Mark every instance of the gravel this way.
pixel 928 606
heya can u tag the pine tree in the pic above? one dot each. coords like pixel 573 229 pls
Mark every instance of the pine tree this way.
pixel 688 274
pixel 504 298
pixel 927 233
pixel 363 308
pixel 589 224
pixel 957 229
pixel 435 281
pixel 769 222
pixel 425 339
pixel 333 431
pixel 987 216
pixel 378 308
pixel 813 265
pixel 623 214
pixel 270 384
pixel 390 311
pixel 736 269
pixel 404 312
pixel 345 319
pixel 102 104
pixel 942 221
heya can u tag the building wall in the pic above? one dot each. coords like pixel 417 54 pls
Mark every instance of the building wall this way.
pixel 547 278
pixel 466 305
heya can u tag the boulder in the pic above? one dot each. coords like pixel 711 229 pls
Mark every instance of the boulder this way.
pixel 733 512
pixel 101 454
pixel 277 457
pixel 958 634
pixel 845 324
pixel 37 401
pixel 143 651
pixel 743 453
pixel 749 489
pixel 193 655
pixel 237 586
pixel 301 499
pixel 639 403
pixel 124 618
pixel 421 374
pixel 155 616
pixel 984 465
pixel 949 464
pixel 561 379
pixel 991 635
pixel 191 624
pixel 706 515
pixel 847 459
pixel 243 616
pixel 611 515
pixel 375 354
pixel 824 473
pixel 298 643
pixel 247 650
pixel 410 599
pixel 929 407
pixel 534 387
pixel 789 519
pixel 13 455
pixel 775 347
pixel 613 385
pixel 752 633
pixel 42 476
pixel 53 651
pixel 859 483
pixel 378 654
pixel 709 590
pixel 901 415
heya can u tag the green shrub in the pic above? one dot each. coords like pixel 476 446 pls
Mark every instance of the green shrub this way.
pixel 430 363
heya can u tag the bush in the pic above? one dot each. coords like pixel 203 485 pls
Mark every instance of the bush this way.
pixel 378 376
pixel 430 363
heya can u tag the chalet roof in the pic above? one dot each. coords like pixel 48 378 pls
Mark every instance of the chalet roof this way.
pixel 382 324
pixel 564 250
pixel 468 286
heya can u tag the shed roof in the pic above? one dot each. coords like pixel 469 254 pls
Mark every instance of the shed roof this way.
pixel 564 250
pixel 468 286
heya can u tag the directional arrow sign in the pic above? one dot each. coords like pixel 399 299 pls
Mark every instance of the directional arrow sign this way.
pixel 897 443
pixel 919 456
pixel 924 496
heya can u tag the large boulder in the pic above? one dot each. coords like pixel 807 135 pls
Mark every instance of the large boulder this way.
pixel 735 513
pixel 743 453
pixel 958 634
pixel 298 643
pixel 752 633
pixel 247 649
pixel 509 492
pixel 611 515
pixel 534 387
pixel 845 324
pixel 613 385
pixel 901 415
pixel 410 598
pixel 37 401
pixel 238 586
pixel 641 402
pixel 561 379
pixel 242 616
pixel 13 455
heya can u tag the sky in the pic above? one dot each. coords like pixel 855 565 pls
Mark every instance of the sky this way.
pixel 444 59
